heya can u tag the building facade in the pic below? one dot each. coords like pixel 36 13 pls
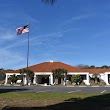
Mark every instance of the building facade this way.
pixel 43 73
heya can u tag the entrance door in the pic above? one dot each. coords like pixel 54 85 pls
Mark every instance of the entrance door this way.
pixel 59 80
pixel 45 80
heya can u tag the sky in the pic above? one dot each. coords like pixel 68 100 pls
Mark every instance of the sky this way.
pixel 71 31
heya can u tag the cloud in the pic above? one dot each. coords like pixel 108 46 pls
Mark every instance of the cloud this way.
pixel 45 38
pixel 58 34
pixel 69 46
pixel 7 35
pixel 10 59
pixel 38 40
pixel 15 44
pixel 34 20
pixel 70 29
pixel 54 34
pixel 49 39
pixel 101 34
pixel 76 18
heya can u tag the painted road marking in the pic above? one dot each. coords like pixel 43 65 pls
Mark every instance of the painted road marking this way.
pixel 74 91
pixel 47 91
pixel 103 91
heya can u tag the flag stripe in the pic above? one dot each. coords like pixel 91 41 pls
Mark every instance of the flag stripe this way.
pixel 22 30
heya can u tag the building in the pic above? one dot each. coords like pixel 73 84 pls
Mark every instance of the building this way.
pixel 104 74
pixel 43 73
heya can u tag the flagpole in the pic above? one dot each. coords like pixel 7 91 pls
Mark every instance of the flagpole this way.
pixel 28 53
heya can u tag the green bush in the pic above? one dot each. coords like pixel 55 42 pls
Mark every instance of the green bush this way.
pixel 102 83
pixel 76 79
pixel 9 81
pixel 2 82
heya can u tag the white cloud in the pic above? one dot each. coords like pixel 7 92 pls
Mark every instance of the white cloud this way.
pixel 34 20
pixel 10 59
pixel 76 18
pixel 69 46
pixel 70 29
pixel 49 36
pixel 101 34
pixel 40 39
pixel 7 35
pixel 14 45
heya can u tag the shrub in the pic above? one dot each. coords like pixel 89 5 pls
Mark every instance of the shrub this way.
pixel 102 83
pixel 76 79
pixel 2 82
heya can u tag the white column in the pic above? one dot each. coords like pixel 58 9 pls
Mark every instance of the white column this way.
pixel 106 78
pixel 6 79
pixel 37 82
pixel 51 79
pixel 87 76
pixel 25 80
pixel 34 80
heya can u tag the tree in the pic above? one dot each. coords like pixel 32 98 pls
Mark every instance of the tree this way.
pixel 60 72
pixel 76 79
pixel 92 67
pixel 23 74
pixel 82 66
pixel 2 74
pixel 96 77
pixel 29 75
pixel 49 1
pixel 13 78
pixel 105 67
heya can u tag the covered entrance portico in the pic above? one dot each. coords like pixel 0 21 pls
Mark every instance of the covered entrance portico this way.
pixel 43 78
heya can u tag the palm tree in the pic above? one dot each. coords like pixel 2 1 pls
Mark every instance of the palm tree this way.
pixel 13 79
pixel 59 72
pixel 49 1
pixel 23 74
pixel 96 77
pixel 29 76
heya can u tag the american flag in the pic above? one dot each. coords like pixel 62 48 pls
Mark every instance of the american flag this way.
pixel 22 30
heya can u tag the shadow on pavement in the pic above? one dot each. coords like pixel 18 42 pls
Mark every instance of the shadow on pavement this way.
pixel 12 89
pixel 101 102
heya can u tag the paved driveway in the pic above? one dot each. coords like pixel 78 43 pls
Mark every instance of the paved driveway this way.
pixel 67 89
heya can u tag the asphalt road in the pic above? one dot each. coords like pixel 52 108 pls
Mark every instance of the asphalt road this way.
pixel 67 89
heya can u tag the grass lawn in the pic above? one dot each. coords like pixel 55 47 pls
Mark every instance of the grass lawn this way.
pixel 54 101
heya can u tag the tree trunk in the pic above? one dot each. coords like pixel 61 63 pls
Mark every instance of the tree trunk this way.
pixel 64 78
